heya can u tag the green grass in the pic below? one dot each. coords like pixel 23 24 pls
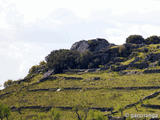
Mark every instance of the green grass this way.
pixel 128 61
pixel 103 96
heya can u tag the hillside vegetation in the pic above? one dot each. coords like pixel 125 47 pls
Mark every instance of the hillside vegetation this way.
pixel 94 80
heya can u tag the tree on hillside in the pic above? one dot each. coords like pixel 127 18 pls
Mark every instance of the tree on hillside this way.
pixel 38 68
pixel 152 40
pixel 135 39
pixel 8 83
pixel 62 59
pixel 81 112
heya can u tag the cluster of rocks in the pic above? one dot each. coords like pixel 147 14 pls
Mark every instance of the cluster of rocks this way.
pixel 113 55
pixel 91 45
pixel 130 72
pixel 129 66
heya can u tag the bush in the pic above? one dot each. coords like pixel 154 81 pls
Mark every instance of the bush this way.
pixel 38 68
pixel 42 63
pixel 135 39
pixel 4 112
pixel 62 59
pixel 8 83
pixel 152 40
pixel 34 69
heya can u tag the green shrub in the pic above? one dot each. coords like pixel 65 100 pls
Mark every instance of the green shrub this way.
pixel 33 69
pixel 152 40
pixel 8 83
pixel 42 63
pixel 81 112
pixel 4 112
pixel 62 59
pixel 38 68
pixel 135 39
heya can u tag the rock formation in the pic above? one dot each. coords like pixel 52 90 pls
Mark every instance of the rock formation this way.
pixel 93 45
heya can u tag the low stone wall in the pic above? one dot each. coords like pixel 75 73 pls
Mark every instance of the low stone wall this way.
pixel 62 89
pixel 155 94
pixel 92 88
pixel 152 95
pixel 5 94
pixel 72 78
pixel 151 106
pixel 48 78
pixel 84 70
pixel 125 67
pixel 137 88
pixel 41 108
pixel 38 90
pixel 116 118
pixel 47 108
pixel 151 71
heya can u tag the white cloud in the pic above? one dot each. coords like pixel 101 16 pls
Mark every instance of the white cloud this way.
pixel 17 58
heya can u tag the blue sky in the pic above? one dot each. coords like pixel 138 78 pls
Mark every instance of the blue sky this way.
pixel 30 29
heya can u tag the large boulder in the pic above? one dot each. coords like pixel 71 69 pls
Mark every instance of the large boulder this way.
pixel 93 45
pixel 80 46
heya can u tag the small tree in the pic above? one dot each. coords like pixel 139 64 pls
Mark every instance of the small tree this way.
pixel 82 109
pixel 135 39
pixel 8 83
pixel 60 60
pixel 34 69
pixel 152 40
pixel 81 112
pixel 42 63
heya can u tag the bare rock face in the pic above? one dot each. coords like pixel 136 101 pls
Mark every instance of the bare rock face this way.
pixel 93 45
pixel 80 46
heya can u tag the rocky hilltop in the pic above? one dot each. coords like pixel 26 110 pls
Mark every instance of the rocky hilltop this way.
pixel 93 80
pixel 136 53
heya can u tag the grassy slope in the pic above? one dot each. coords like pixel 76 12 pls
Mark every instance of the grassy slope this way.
pixel 102 96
